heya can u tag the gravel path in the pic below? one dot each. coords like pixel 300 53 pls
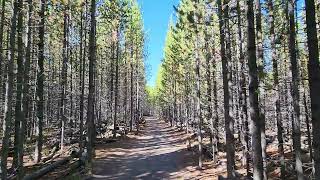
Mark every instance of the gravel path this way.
pixel 158 152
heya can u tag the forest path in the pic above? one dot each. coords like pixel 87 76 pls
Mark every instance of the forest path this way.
pixel 158 152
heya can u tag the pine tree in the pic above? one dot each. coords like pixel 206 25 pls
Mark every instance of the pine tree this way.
pixel 314 81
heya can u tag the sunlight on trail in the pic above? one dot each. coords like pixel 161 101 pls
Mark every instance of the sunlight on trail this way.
pixel 159 152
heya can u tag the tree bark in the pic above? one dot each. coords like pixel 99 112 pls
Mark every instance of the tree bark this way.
pixel 276 87
pixel 2 69
pixel 82 75
pixel 198 117
pixel 91 96
pixel 26 93
pixel 314 81
pixel 296 134
pixel 227 99
pixel 19 87
pixel 253 96
pixel 116 87
pixel 40 84
pixel 9 94
pixel 131 88
pixel 243 96
pixel 260 59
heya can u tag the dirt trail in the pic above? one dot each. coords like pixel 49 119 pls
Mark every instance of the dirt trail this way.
pixel 158 152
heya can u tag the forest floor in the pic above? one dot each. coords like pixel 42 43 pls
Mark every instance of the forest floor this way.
pixel 157 152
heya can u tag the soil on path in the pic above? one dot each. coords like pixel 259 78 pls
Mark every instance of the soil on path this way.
pixel 158 152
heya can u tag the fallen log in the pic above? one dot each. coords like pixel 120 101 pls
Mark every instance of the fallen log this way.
pixel 45 170
pixel 51 167
pixel 54 150
pixel 72 168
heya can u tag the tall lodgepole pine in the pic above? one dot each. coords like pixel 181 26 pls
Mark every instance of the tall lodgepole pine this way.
pixel 3 5
pixel 227 99
pixel 198 93
pixel 116 85
pixel 314 81
pixel 276 87
pixel 243 95
pixel 82 57
pixel 64 73
pixel 253 96
pixel 137 86
pixel 91 96
pixel 40 85
pixel 209 93
pixel 9 94
pixel 296 134
pixel 260 59
pixel 19 86
pixel 26 95
pixel 131 87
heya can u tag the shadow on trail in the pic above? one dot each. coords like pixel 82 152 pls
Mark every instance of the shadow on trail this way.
pixel 158 152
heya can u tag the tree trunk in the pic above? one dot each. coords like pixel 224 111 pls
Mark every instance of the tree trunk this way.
pixel 276 87
pixel 260 55
pixel 131 88
pixel 64 73
pixel 314 81
pixel 116 87
pixel 227 99
pixel 209 93
pixel 112 77
pixel 253 96
pixel 82 69
pixel 137 87
pixel 91 96
pixel 9 94
pixel 198 117
pixel 243 96
pixel 19 117
pixel 296 134
pixel 40 83
pixel 2 69
pixel 26 93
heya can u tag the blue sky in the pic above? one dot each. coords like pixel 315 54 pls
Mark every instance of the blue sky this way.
pixel 156 15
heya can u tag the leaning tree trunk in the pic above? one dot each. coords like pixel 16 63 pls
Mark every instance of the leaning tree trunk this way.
pixel 253 96
pixel 314 81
